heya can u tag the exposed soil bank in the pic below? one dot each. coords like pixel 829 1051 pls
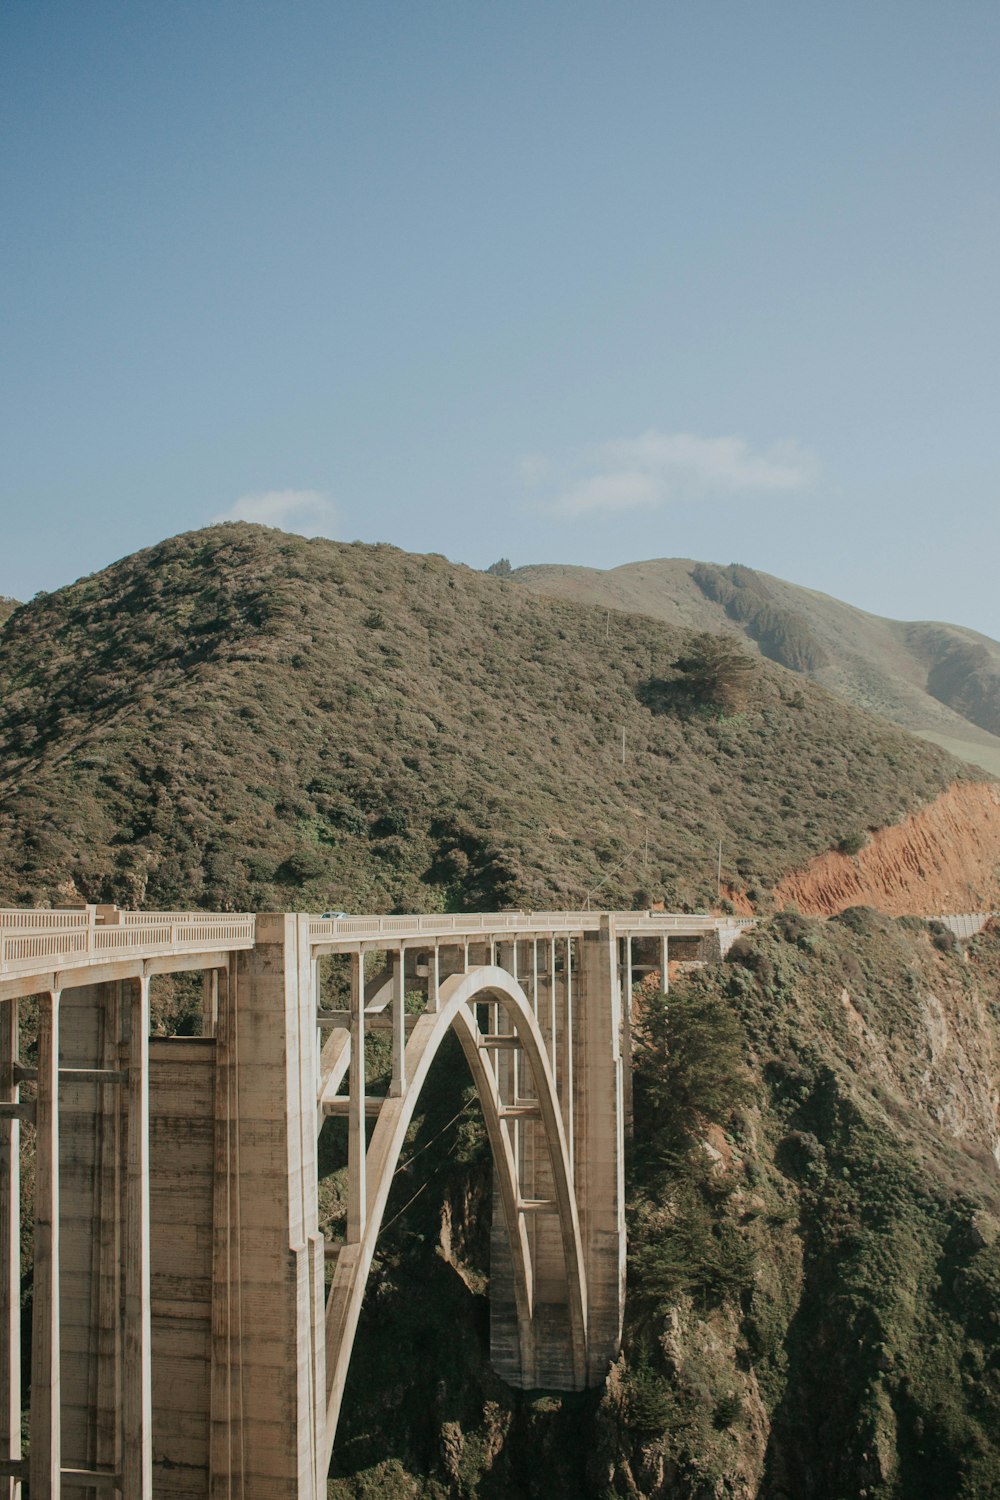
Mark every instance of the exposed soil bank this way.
pixel 943 859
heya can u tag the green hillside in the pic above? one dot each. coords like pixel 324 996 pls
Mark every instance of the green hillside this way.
pixel 939 681
pixel 243 719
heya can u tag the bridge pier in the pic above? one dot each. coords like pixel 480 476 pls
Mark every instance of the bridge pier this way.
pixel 268 1368
pixel 599 1135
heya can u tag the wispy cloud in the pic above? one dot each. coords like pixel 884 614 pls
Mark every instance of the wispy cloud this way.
pixel 619 489
pixel 306 512
pixel 660 468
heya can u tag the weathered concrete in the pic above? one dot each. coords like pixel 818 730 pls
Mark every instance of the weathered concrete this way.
pixel 181 1345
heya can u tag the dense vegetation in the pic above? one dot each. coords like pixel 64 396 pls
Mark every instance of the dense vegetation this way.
pixel 964 672
pixel 814 1308
pixel 942 681
pixel 782 634
pixel 246 720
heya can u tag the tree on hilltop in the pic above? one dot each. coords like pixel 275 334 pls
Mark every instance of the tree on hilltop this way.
pixel 717 672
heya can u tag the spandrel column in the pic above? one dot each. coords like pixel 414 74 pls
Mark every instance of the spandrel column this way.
pixel 10 1250
pixel 137 1398
pixel 46 1450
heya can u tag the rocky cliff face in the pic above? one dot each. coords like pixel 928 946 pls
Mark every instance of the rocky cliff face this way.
pixel 945 858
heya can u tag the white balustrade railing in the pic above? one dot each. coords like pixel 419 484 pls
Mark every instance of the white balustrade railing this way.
pixel 349 929
pixel 21 919
pixel 48 939
pixel 44 941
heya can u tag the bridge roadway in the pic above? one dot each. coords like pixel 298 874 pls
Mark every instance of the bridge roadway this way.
pixel 192 1330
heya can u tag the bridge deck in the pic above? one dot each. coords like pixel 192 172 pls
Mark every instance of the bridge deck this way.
pixel 45 942
pixel 346 932
pixel 37 942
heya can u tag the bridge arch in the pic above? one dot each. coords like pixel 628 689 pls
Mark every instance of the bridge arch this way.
pixel 457 999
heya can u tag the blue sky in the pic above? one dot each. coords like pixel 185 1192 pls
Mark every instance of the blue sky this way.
pixel 562 282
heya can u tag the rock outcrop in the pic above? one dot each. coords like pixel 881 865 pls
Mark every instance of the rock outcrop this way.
pixel 943 859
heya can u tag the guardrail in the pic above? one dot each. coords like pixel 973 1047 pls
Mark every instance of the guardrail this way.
pixel 19 918
pixel 965 924
pixel 443 925
pixel 40 941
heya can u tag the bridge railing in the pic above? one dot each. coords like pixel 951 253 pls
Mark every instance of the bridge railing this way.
pixel 31 919
pixel 42 940
pixel 464 925
pixel 447 924
pixel 966 924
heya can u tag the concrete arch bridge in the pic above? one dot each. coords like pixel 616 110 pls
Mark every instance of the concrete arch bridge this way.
pixel 192 1330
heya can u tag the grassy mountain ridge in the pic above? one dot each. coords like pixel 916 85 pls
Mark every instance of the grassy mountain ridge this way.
pixel 940 681
pixel 244 719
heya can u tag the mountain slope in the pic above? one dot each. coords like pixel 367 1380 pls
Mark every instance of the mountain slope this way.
pixel 245 719
pixel 237 717
pixel 939 681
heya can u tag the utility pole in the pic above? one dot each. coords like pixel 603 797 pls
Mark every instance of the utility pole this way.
pixel 718 876
pixel 607 627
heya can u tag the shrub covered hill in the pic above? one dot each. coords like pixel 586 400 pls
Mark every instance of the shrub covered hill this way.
pixel 940 681
pixel 240 718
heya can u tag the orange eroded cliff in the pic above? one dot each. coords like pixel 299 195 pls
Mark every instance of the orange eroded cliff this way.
pixel 945 858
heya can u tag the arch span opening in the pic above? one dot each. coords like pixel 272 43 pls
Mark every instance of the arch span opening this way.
pixel 504 1111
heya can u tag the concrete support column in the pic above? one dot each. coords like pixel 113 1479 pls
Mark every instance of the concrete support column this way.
pixel 552 1010
pixel 107 1258
pixel 10 1252
pixel 209 1002
pixel 357 1178
pixel 598 1131
pixel 137 1390
pixel 275 1300
pixel 397 1085
pixel 627 1014
pixel 565 1055
pixel 534 976
pixel 46 1451
pixel 226 1414
pixel 434 978
pixel 91 1226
